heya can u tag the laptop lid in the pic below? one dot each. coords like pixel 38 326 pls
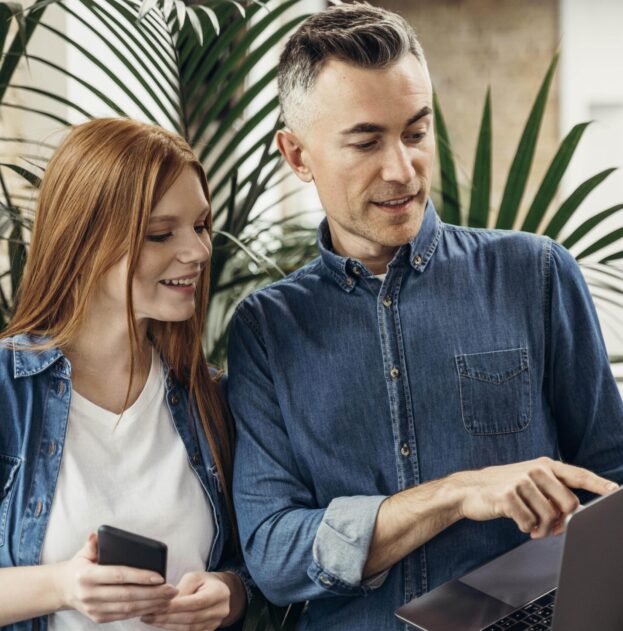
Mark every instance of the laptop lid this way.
pixel 589 593
pixel 589 596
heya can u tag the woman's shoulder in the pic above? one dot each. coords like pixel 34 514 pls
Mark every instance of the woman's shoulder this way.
pixel 24 355
pixel 7 354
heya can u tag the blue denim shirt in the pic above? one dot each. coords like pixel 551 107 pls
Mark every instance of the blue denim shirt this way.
pixel 480 347
pixel 35 393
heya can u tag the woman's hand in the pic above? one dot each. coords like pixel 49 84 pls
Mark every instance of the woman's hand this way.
pixel 206 601
pixel 104 593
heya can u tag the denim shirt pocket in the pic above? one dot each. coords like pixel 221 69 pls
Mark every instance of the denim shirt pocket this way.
pixel 8 472
pixel 495 391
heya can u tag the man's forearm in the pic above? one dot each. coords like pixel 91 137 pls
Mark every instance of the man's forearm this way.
pixel 535 494
pixel 409 519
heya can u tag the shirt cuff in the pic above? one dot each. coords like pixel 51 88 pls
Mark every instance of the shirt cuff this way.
pixel 341 546
pixel 241 572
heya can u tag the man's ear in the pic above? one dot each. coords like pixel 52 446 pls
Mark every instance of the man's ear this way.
pixel 292 150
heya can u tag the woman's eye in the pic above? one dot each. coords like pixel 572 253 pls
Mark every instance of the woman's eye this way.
pixel 201 228
pixel 158 238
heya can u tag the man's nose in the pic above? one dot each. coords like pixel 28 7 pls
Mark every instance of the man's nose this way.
pixel 398 165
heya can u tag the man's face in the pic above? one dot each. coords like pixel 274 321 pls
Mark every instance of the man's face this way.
pixel 368 144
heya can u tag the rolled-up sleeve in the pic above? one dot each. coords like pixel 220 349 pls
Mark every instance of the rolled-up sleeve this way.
pixel 343 540
pixel 294 549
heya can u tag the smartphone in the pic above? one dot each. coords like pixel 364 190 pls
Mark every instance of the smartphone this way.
pixel 120 547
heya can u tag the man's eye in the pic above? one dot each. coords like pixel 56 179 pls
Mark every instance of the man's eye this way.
pixel 159 238
pixel 365 146
pixel 416 137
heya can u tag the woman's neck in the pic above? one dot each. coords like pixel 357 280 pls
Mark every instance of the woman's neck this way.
pixel 101 360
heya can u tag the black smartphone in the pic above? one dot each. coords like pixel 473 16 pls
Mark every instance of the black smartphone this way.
pixel 120 547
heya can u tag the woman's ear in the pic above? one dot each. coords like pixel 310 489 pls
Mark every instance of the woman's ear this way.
pixel 292 150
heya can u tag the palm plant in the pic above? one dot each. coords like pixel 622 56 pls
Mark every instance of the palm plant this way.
pixel 193 68
pixel 196 66
pixel 604 276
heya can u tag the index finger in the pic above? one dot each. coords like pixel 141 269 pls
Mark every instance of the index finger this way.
pixel 578 478
pixel 122 575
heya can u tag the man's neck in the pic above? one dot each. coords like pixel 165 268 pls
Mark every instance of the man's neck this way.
pixel 374 256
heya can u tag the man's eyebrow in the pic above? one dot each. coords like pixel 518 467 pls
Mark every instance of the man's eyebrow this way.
pixel 370 128
pixel 425 111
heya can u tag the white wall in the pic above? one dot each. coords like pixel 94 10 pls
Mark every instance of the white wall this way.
pixel 591 82
pixel 591 88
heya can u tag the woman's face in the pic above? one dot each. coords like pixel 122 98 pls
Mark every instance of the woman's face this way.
pixel 175 251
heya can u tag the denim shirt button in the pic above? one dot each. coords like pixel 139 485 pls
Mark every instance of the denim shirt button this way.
pixel 326 580
pixel 349 281
pixel 174 399
pixel 38 508
pixel 405 450
pixel 357 270
pixel 60 387
pixel 394 373
pixel 196 458
pixel 52 448
pixel 417 260
pixel 170 381
pixel 387 301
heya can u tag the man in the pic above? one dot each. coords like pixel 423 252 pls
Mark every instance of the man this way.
pixel 404 402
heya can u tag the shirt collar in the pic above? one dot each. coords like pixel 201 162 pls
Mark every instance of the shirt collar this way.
pixel 417 253
pixel 28 362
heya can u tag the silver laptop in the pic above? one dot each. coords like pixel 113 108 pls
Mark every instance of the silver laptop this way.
pixel 564 583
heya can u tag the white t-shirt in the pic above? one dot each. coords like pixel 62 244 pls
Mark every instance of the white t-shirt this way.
pixel 131 473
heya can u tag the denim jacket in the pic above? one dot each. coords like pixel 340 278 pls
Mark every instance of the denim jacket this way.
pixel 35 393
pixel 479 347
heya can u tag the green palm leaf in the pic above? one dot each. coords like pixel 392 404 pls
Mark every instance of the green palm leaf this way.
pixel 200 63
pixel 522 162
pixel 451 205
pixel 5 22
pixel 571 204
pixel 30 177
pixel 481 180
pixel 551 181
pixel 230 76
pixel 602 243
pixel 17 49
pixel 17 248
pixel 589 224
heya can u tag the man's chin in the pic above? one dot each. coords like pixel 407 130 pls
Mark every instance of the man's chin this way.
pixel 398 234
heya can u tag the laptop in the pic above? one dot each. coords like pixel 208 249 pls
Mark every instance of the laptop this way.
pixel 569 582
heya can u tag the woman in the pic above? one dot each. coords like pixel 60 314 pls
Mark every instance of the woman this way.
pixel 109 414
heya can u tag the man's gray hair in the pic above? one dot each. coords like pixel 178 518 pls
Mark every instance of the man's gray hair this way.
pixel 366 36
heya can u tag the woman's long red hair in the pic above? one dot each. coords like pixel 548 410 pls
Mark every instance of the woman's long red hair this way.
pixel 94 205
